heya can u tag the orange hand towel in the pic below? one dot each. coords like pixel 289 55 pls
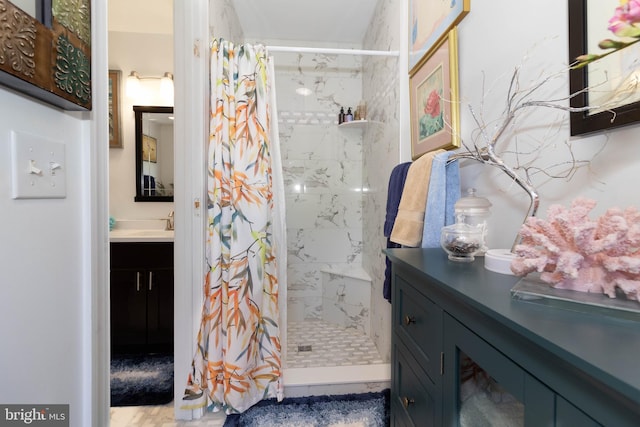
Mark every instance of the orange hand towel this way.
pixel 407 230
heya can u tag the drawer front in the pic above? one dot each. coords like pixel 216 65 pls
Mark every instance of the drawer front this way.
pixel 415 400
pixel 141 255
pixel 418 322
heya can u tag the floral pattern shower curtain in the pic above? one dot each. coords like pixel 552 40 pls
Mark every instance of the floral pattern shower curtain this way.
pixel 238 357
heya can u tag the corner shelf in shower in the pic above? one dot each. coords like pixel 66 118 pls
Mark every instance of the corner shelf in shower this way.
pixel 355 124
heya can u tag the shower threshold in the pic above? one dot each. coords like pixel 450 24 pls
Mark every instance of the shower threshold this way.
pixel 324 358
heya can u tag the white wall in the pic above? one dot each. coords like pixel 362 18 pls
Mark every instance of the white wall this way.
pixel 493 40
pixel 149 55
pixel 44 309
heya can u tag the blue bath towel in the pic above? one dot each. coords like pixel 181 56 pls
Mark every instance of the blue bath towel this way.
pixel 444 191
pixel 394 193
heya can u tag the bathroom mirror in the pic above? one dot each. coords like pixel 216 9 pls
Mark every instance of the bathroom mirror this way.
pixel 154 153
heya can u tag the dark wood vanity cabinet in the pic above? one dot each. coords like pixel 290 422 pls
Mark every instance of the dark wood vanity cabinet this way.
pixel 141 297
pixel 464 353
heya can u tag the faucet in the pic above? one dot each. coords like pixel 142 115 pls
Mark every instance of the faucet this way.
pixel 170 221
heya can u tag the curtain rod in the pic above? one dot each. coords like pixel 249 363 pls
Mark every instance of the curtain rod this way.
pixel 332 51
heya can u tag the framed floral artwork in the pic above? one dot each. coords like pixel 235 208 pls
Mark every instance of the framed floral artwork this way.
pixel 433 90
pixel 115 135
pixel 429 22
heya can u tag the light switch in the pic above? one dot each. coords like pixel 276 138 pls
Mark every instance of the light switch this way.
pixel 38 167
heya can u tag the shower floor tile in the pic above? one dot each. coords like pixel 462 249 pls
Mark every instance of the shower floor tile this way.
pixel 330 345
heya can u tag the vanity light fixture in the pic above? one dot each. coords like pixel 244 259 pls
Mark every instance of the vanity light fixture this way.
pixel 133 84
pixel 134 89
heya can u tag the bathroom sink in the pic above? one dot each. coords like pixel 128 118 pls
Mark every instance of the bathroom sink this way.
pixel 141 235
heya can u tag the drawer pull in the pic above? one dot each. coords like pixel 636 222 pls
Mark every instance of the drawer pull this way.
pixel 407 401
pixel 408 320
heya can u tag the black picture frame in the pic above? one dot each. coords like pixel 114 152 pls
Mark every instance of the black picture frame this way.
pixel 582 122
pixel 141 179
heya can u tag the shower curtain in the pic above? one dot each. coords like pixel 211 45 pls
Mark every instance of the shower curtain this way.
pixel 238 352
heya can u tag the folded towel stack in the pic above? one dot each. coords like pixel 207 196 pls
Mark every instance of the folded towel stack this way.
pixel 407 230
pixel 427 204
pixel 420 201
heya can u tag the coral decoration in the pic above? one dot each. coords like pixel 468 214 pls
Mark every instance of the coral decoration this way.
pixel 572 251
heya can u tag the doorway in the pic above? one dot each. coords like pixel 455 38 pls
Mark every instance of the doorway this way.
pixel 140 40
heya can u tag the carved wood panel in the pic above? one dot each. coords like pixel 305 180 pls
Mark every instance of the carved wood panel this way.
pixel 52 64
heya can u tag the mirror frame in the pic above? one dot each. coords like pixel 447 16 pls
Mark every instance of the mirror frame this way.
pixel 53 62
pixel 138 112
pixel 582 122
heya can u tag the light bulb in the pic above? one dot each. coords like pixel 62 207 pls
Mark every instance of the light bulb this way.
pixel 133 85
pixel 166 86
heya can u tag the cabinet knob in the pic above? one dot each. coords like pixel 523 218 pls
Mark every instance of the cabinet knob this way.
pixel 408 320
pixel 406 401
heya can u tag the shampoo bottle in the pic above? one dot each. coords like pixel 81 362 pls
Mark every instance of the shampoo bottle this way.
pixel 349 116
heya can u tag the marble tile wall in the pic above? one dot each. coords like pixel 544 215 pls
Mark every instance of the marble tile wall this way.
pixel 380 155
pixel 346 299
pixel 322 171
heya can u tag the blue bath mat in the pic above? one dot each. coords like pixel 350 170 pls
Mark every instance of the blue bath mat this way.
pixel 141 379
pixel 362 410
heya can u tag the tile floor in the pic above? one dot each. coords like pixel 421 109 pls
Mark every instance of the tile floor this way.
pixel 158 416
pixel 330 346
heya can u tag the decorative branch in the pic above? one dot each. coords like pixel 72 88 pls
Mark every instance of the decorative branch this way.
pixel 484 148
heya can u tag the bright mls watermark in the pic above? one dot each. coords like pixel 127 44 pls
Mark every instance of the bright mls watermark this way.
pixel 34 415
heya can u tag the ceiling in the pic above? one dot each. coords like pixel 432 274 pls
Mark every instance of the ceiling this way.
pixel 323 21
pixel 327 21
pixel 141 16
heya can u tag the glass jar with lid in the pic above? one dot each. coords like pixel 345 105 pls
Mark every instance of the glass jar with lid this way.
pixel 474 211
pixel 461 241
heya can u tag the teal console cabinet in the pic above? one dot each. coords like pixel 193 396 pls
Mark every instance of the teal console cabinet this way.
pixel 464 353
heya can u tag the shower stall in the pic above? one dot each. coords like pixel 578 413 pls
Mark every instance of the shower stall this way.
pixel 337 323
pixel 329 291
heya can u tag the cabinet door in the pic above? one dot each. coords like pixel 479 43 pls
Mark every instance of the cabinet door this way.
pixel 128 310
pixel 484 387
pixel 415 399
pixel 159 287
pixel 569 416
